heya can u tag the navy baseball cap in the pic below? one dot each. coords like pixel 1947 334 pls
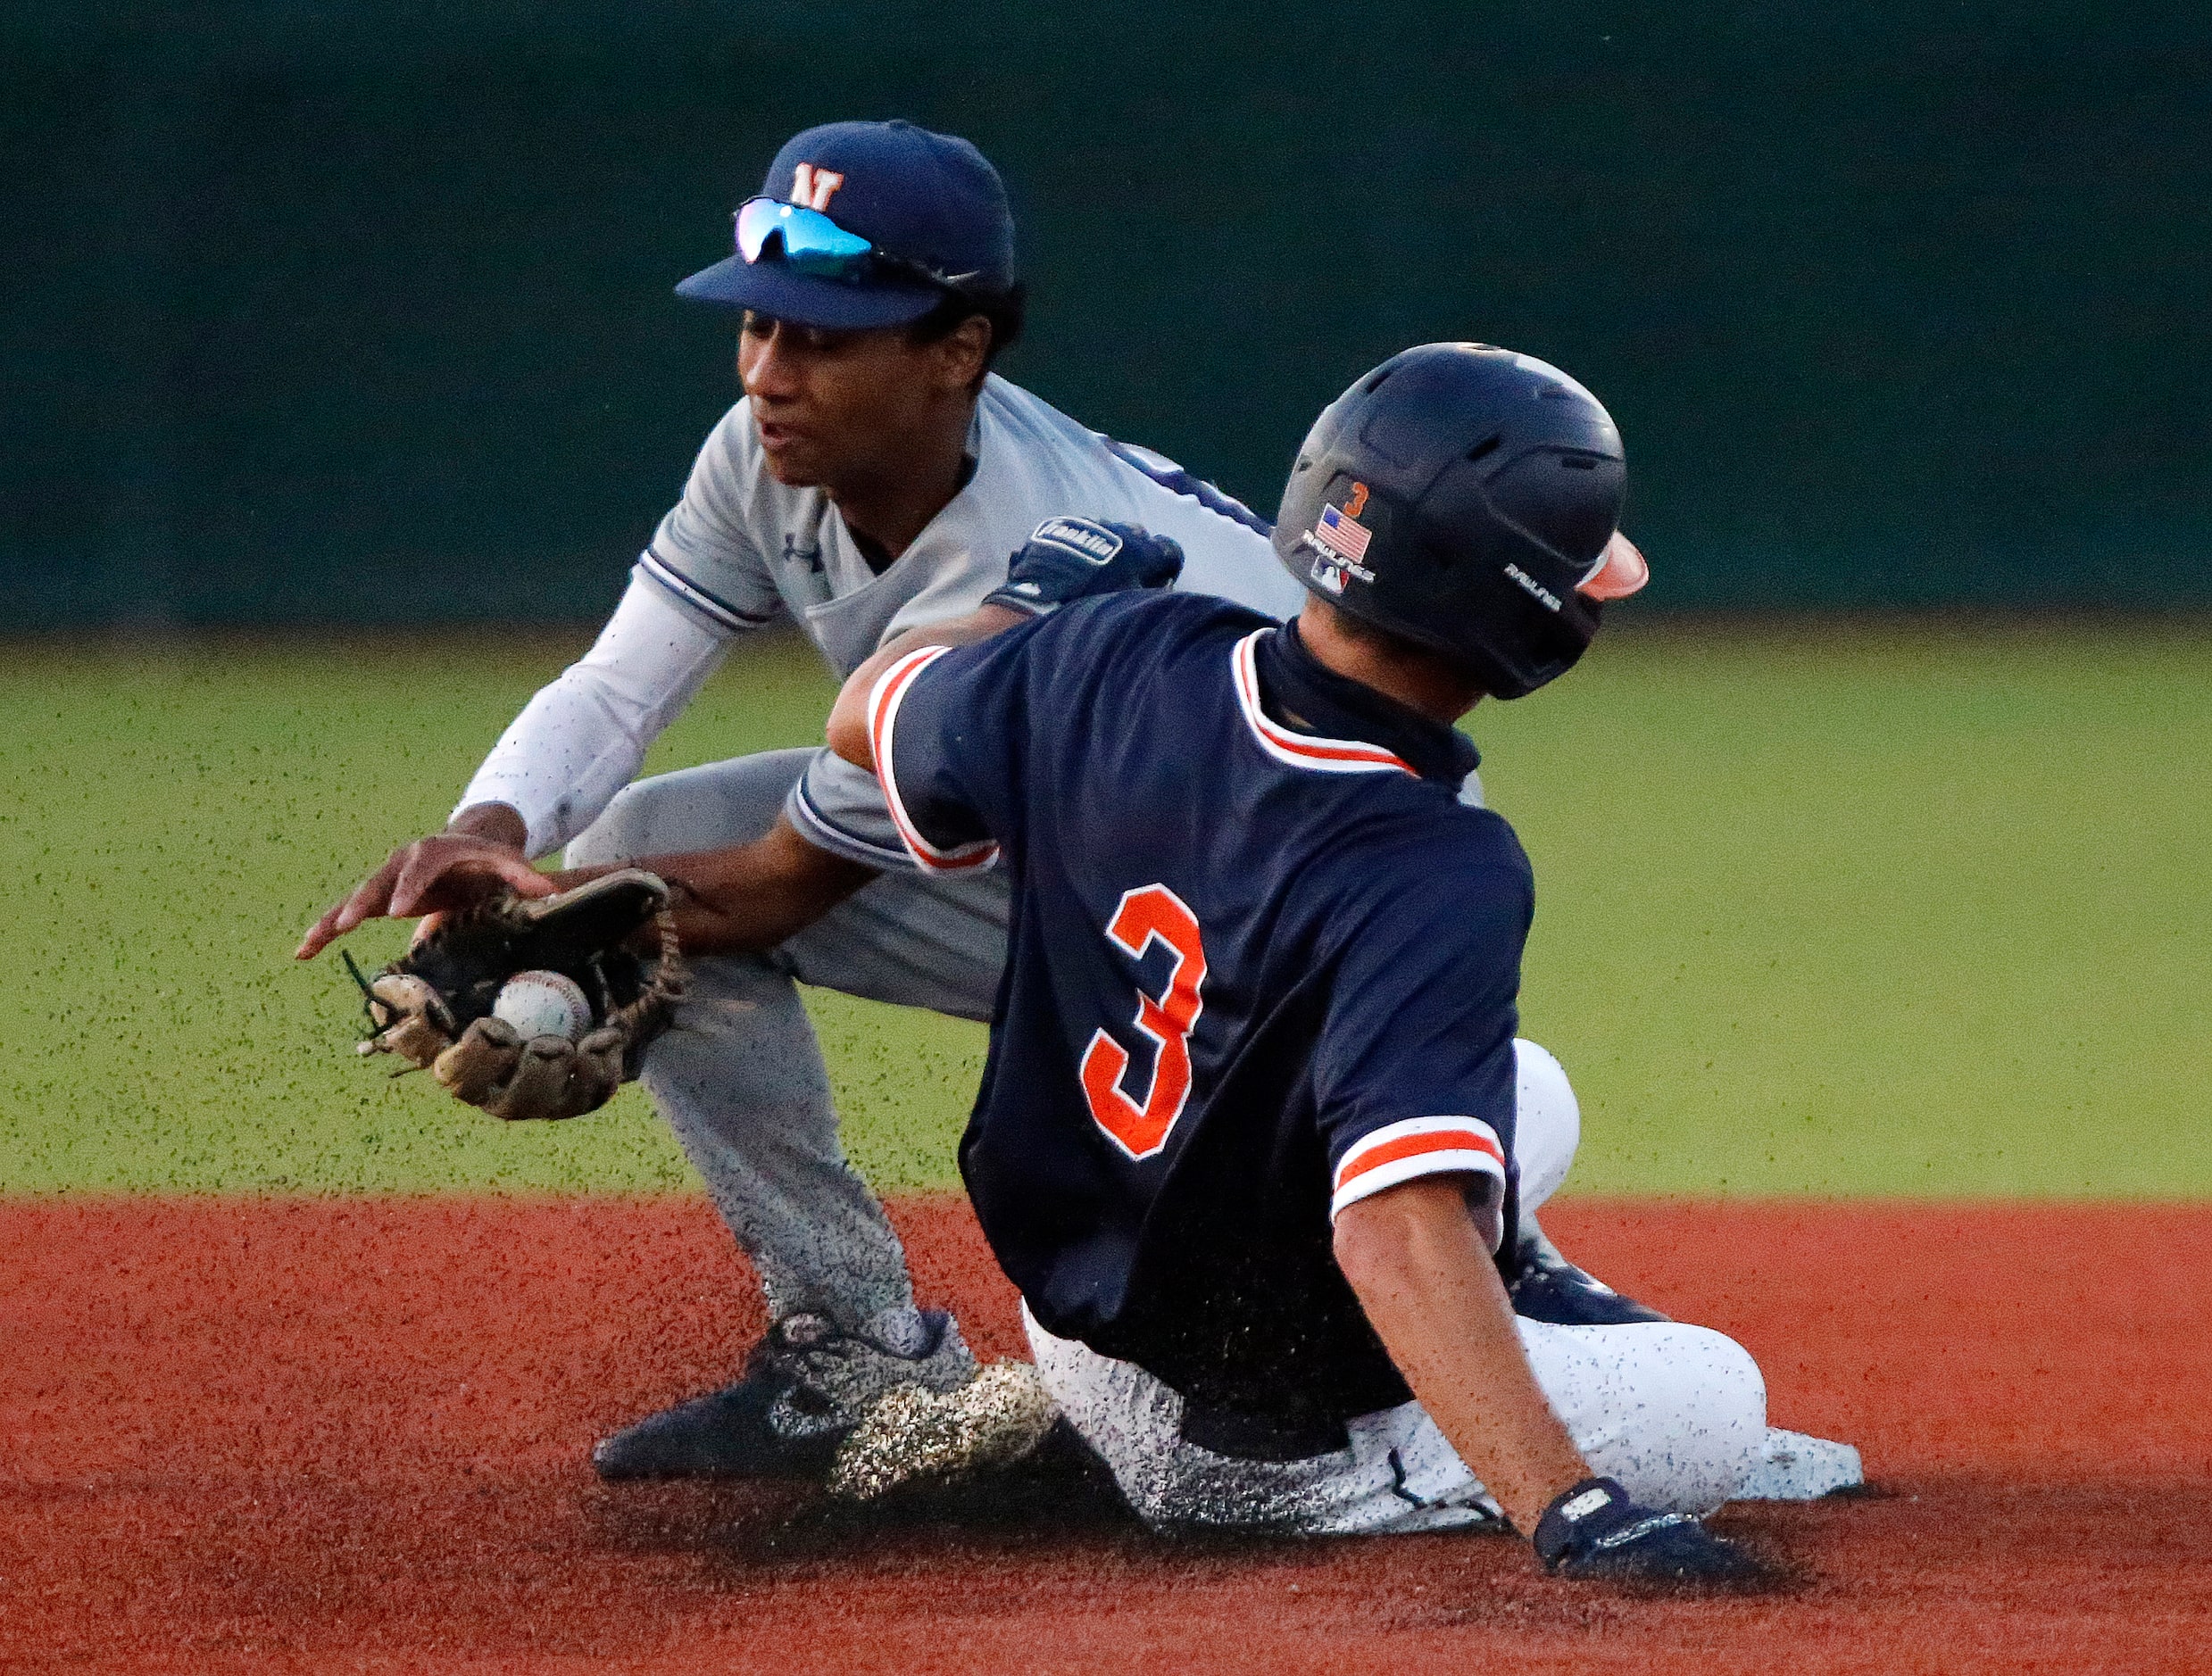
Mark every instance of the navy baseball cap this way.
pixel 929 199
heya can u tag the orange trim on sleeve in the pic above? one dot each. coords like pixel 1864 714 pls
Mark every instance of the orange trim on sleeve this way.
pixel 1413 1146
pixel 883 708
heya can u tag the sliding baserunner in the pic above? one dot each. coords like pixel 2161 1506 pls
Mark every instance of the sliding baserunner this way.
pixel 1255 1110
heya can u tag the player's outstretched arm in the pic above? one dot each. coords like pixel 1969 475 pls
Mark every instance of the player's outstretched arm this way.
pixel 1417 1260
pixel 604 711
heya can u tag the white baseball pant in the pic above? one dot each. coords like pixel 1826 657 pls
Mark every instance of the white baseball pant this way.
pixel 1677 1413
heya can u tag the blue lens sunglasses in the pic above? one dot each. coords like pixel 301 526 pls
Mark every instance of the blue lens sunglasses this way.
pixel 808 242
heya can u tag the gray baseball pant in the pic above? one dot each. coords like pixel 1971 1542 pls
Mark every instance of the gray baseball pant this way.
pixel 739 1076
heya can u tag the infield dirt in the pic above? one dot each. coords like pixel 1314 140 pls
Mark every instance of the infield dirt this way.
pixel 351 1434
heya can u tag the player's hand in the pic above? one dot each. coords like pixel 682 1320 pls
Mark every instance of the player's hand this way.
pixel 1076 558
pixel 431 875
pixel 1594 1533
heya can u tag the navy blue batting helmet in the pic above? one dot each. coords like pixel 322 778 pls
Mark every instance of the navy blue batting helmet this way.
pixel 1467 499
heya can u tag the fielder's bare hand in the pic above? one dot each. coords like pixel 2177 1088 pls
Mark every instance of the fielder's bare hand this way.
pixel 479 853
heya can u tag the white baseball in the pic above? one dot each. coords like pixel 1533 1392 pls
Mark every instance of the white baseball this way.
pixel 544 1004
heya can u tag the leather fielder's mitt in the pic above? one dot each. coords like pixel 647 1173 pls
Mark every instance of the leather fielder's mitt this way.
pixel 433 1006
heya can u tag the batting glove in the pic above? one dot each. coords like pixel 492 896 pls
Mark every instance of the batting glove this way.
pixel 1594 1532
pixel 1075 558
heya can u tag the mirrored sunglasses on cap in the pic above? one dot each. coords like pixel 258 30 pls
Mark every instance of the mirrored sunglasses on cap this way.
pixel 808 242
pixel 1620 570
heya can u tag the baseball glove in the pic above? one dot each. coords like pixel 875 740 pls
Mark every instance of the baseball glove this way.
pixel 433 1006
pixel 1071 559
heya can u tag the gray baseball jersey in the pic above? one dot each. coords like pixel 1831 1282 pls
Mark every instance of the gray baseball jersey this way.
pixel 741 549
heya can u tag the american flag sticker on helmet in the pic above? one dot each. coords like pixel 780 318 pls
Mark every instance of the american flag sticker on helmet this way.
pixel 1342 535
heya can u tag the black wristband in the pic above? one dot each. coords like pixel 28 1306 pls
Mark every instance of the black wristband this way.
pixel 1590 1508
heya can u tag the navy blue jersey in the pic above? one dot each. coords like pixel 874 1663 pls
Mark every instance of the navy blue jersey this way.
pixel 1263 963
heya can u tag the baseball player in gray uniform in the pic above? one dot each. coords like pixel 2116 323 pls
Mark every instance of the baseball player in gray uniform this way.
pixel 877 477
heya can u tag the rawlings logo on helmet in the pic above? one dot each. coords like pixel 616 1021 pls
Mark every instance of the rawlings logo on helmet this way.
pixel 1543 595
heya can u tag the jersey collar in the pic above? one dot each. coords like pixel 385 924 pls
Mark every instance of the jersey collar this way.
pixel 1303 697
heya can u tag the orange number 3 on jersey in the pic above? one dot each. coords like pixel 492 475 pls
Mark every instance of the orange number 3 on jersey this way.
pixel 1140 1128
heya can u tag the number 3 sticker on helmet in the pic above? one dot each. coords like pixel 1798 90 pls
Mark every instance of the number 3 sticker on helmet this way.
pixel 1140 1127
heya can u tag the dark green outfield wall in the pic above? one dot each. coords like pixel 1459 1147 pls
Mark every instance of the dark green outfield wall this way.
pixel 361 311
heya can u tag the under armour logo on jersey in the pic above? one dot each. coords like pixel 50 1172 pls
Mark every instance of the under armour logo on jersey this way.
pixel 814 187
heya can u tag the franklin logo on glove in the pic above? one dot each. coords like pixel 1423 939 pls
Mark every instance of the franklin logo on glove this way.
pixel 1071 559
pixel 1090 541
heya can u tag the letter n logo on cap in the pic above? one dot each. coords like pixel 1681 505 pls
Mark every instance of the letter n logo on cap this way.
pixel 814 187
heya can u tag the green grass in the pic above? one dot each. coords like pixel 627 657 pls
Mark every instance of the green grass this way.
pixel 1869 908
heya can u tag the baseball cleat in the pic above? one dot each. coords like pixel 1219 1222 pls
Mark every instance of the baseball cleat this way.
pixel 1546 1287
pixel 1794 1467
pixel 804 1387
pixel 912 1434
